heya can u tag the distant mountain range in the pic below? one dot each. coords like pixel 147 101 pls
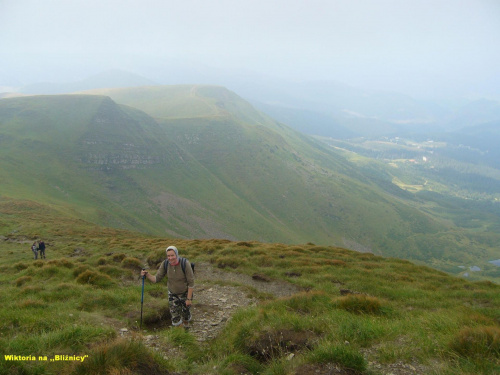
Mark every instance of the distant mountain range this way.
pixel 339 111
pixel 111 78
pixel 324 108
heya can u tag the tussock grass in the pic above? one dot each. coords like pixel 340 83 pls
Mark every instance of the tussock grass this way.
pixel 51 341
pixel 49 271
pixel 121 357
pixel 31 289
pixel 62 262
pixel 179 338
pixel 343 355
pixel 101 300
pixel 117 272
pixel 477 342
pixel 23 280
pixel 156 258
pixel 228 261
pixel 38 264
pixel 132 263
pixel 20 266
pixel 97 279
pixel 31 303
pixel 118 257
pixel 361 304
pixel 80 269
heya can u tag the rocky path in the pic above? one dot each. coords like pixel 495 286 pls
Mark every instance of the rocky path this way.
pixel 219 293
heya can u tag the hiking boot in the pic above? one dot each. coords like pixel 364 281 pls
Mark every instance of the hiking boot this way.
pixel 176 321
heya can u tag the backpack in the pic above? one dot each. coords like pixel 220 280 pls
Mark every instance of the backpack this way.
pixel 183 265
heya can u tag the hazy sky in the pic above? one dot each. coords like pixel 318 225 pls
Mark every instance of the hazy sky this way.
pixel 412 46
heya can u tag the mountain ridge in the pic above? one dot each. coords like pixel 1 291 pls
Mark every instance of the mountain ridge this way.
pixel 238 175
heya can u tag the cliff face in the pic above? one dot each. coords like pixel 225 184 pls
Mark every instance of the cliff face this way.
pixel 119 138
pixel 123 160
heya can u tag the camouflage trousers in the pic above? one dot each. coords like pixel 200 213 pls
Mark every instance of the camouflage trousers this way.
pixel 178 309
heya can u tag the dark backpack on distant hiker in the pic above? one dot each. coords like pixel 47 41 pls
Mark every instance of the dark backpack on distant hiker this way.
pixel 183 264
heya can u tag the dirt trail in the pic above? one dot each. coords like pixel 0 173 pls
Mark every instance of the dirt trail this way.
pixel 219 293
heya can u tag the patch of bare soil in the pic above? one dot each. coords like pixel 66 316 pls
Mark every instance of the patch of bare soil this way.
pixel 322 369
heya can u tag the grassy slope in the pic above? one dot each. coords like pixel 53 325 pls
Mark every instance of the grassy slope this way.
pixel 75 301
pixel 56 133
pixel 44 140
pixel 303 184
pixel 225 170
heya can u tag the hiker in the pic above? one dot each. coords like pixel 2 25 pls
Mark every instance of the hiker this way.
pixel 41 247
pixel 34 248
pixel 180 285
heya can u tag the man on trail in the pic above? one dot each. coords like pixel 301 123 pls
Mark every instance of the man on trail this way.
pixel 41 247
pixel 180 285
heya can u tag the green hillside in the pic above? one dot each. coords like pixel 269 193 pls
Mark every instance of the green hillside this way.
pixel 341 201
pixel 79 310
pixel 113 165
pixel 200 162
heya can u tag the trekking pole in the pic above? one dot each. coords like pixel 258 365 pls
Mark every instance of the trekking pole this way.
pixel 142 298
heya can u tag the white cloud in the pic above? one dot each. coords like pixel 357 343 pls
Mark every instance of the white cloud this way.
pixel 402 45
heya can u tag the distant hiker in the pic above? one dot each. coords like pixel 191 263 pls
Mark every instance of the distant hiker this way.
pixel 41 247
pixel 34 248
pixel 180 285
